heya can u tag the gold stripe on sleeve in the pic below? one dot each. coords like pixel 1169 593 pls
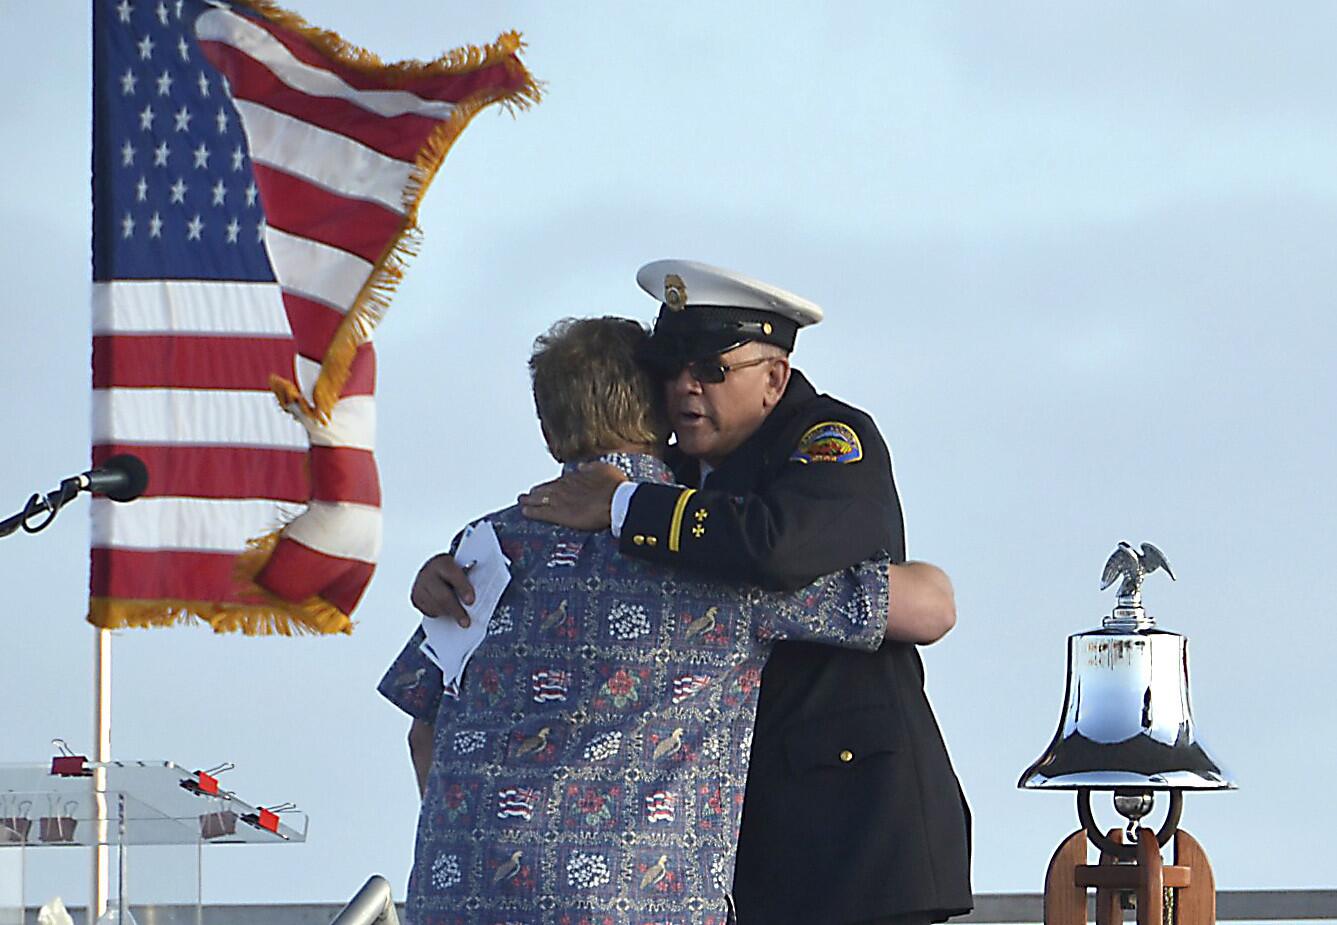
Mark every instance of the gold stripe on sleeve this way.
pixel 675 525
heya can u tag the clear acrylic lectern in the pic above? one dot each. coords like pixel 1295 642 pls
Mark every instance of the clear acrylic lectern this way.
pixel 122 804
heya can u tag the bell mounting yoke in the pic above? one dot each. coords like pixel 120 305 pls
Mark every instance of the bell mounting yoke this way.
pixel 1143 799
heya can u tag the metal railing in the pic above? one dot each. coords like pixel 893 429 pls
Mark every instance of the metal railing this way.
pixel 1231 906
pixel 374 904
pixel 1002 908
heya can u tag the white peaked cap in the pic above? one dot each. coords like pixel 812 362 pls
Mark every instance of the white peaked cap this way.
pixel 682 284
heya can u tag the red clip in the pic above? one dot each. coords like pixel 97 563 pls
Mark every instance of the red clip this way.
pixel 69 766
pixel 207 783
pixel 269 820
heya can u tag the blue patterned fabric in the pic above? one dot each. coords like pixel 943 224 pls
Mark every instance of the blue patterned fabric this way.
pixel 592 770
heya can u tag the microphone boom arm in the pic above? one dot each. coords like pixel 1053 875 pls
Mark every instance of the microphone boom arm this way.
pixel 50 503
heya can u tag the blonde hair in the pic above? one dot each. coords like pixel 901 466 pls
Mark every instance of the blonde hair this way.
pixel 591 391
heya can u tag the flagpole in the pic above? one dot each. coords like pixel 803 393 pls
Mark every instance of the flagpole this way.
pixel 97 903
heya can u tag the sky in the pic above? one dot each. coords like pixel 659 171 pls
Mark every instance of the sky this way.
pixel 1075 260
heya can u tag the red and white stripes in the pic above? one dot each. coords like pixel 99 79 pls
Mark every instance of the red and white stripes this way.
pixel 180 370
pixel 342 152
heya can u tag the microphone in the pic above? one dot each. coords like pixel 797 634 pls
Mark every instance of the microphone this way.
pixel 123 477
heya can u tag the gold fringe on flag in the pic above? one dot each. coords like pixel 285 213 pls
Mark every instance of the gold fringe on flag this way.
pixel 313 615
pixel 251 620
pixel 463 60
pixel 263 613
pixel 374 297
pixel 269 614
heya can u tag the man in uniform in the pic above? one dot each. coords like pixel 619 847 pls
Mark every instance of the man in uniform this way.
pixel 853 813
pixel 592 769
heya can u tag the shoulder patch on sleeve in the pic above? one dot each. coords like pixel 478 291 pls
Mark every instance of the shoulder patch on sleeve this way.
pixel 829 441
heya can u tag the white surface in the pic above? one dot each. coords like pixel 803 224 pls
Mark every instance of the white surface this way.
pixel 450 645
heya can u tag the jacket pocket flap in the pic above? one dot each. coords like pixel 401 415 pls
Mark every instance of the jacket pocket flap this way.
pixel 842 739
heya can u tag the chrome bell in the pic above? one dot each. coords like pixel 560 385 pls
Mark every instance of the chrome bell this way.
pixel 1126 721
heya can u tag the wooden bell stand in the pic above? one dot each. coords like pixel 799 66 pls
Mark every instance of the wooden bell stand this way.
pixel 1182 893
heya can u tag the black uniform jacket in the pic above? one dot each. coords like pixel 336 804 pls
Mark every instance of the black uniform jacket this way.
pixel 853 812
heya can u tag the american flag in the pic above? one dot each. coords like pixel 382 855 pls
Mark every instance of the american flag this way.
pixel 564 554
pixel 516 803
pixel 689 685
pixel 255 191
pixel 660 806
pixel 550 684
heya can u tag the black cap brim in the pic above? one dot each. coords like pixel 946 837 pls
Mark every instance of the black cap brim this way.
pixel 698 332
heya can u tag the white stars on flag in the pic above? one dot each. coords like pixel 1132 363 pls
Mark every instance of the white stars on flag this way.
pixel 190 109
pixel 340 204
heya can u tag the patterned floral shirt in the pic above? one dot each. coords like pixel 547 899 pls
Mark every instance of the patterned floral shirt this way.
pixel 592 770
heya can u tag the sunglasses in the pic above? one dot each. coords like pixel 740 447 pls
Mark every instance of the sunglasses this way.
pixel 712 372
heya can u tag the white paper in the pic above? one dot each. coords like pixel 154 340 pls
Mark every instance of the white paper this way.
pixel 54 913
pixel 448 644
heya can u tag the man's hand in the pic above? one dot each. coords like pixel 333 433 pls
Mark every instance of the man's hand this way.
pixel 440 586
pixel 581 500
pixel 922 606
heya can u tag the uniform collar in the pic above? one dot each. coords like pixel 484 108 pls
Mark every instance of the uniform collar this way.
pixel 748 456
pixel 639 467
pixel 798 391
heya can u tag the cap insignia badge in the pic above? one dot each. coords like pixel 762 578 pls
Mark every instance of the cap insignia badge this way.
pixel 675 292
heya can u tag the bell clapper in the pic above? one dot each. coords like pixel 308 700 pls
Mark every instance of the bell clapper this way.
pixel 1133 805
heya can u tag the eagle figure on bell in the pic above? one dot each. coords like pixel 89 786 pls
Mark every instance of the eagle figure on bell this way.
pixel 1134 567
